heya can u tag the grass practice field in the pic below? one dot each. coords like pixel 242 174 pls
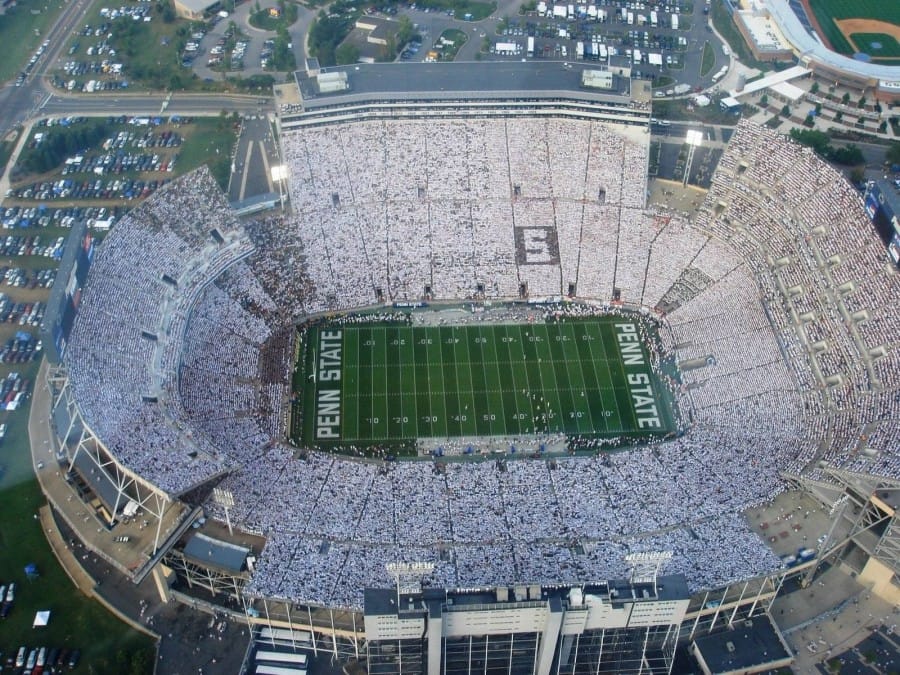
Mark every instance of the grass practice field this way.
pixel 382 384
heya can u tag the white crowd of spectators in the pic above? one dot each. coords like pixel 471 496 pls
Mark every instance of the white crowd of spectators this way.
pixel 771 367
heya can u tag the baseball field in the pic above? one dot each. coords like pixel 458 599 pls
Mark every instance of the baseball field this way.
pixel 860 26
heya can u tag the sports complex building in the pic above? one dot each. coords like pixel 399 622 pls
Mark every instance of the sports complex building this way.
pixel 589 517
pixel 782 29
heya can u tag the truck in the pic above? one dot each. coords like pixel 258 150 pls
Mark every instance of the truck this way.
pixel 654 18
pixel 624 14
pixel 674 22
pixel 571 12
pixel 681 89
pixel 531 46
pixel 579 50
pixel 630 18
pixel 720 74
pixel 636 56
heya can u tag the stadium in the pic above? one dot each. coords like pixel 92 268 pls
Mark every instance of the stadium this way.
pixel 766 333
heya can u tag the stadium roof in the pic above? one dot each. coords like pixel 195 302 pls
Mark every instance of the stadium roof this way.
pixel 810 48
pixel 221 554
pixel 453 80
pixel 98 481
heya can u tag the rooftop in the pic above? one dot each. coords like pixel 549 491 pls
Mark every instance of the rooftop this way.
pixel 197 6
pixel 437 81
pixel 751 644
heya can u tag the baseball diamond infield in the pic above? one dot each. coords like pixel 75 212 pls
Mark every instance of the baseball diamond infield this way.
pixel 851 26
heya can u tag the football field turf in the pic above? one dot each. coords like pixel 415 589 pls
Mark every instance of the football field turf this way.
pixel 371 384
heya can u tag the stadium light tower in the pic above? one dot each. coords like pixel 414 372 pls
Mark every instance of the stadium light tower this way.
pixel 408 576
pixel 693 139
pixel 225 499
pixel 279 174
pixel 645 566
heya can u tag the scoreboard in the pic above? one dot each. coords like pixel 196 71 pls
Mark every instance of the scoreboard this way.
pixel 882 204
pixel 65 296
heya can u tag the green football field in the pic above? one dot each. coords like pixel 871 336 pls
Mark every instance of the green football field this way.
pixel 376 384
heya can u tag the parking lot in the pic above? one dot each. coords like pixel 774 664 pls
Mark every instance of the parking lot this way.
pixel 659 41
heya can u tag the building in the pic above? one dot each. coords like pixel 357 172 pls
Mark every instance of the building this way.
pixel 830 65
pixel 613 627
pixel 494 89
pixel 752 646
pixel 765 39
pixel 194 10
pixel 883 207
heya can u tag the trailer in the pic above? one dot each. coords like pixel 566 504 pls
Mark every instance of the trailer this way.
pixel 636 56
pixel 285 636
pixel 630 18
pixel 674 22
pixel 571 12
pixel 266 669
pixel 579 50
pixel 280 657
pixel 531 46
pixel 654 18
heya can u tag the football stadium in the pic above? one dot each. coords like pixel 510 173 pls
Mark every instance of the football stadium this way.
pixel 470 400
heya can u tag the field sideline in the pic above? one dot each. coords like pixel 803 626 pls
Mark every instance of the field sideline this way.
pixel 385 384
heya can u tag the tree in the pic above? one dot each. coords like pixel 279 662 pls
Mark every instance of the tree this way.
pixel 862 102
pixel 845 99
pixel 849 156
pixel 809 121
pixel 838 116
pixel 764 100
pixel 786 111
pixel 857 174
pixel 404 30
pixel 346 53
pixel 893 153
pixel 882 128
pixel 168 12
pixel 814 89
pixel 818 108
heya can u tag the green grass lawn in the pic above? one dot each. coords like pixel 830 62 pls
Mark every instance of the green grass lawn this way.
pixel 393 383
pixel 107 645
pixel 708 60
pixel 22 32
pixel 458 38
pixel 857 9
pixel 877 45
pixel 208 140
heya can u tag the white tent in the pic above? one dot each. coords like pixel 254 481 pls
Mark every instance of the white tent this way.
pixel 41 618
